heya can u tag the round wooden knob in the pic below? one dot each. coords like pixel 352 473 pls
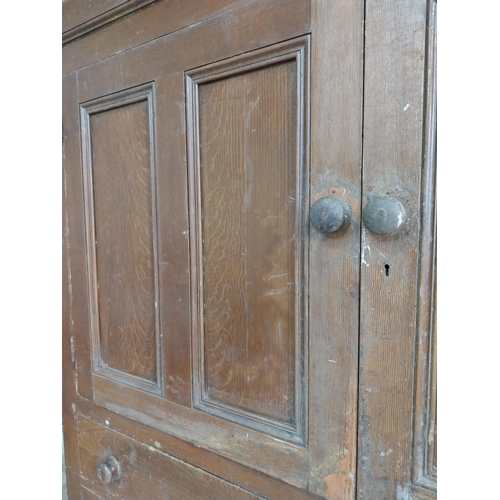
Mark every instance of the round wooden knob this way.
pixel 384 215
pixel 109 470
pixel 329 214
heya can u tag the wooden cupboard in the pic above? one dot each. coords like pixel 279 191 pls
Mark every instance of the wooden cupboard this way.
pixel 216 344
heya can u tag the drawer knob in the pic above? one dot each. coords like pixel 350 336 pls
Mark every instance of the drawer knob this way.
pixel 109 470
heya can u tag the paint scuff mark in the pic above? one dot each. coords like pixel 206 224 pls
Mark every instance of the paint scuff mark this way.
pixel 248 192
pixel 276 292
pixel 250 111
pixel 400 219
pixel 403 492
pixel 267 278
pixel 364 247
pixel 338 485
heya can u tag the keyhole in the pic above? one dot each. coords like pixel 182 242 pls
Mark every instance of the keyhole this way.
pixel 387 269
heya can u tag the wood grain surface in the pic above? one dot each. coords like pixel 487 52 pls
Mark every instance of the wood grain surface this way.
pixel 241 352
pixel 173 241
pixel 256 24
pixel 243 445
pixel 73 310
pixel 425 419
pixel 336 145
pixel 122 202
pixel 78 21
pixel 248 202
pixel 77 12
pixel 123 73
pixel 392 165
pixel 90 495
pixel 246 476
pixel 147 473
pixel 159 19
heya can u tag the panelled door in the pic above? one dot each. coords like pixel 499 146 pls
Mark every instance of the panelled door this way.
pixel 244 222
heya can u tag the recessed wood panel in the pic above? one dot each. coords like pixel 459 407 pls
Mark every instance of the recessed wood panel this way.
pixel 250 241
pixel 121 235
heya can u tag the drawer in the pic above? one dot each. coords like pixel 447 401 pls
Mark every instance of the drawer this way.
pixel 145 472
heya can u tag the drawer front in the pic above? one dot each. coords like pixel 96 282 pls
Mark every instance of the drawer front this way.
pixel 145 472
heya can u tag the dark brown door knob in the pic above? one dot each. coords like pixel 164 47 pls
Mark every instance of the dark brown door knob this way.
pixel 109 470
pixel 384 215
pixel 329 214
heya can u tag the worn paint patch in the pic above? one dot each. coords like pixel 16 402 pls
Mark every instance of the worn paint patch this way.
pixel 403 492
pixel 338 486
pixel 364 247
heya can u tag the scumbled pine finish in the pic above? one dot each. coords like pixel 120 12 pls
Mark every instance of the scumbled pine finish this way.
pixel 215 343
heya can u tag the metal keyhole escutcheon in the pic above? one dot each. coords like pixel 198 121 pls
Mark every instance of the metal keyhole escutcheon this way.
pixel 109 470
pixel 329 214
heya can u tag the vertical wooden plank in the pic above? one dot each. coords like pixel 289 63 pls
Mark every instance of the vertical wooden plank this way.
pixel 173 237
pixel 77 259
pixel 70 157
pixel 392 162
pixel 425 418
pixel 336 126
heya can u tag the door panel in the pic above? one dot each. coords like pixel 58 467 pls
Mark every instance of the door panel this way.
pixel 125 252
pixel 396 108
pixel 197 258
pixel 248 133
pixel 120 183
